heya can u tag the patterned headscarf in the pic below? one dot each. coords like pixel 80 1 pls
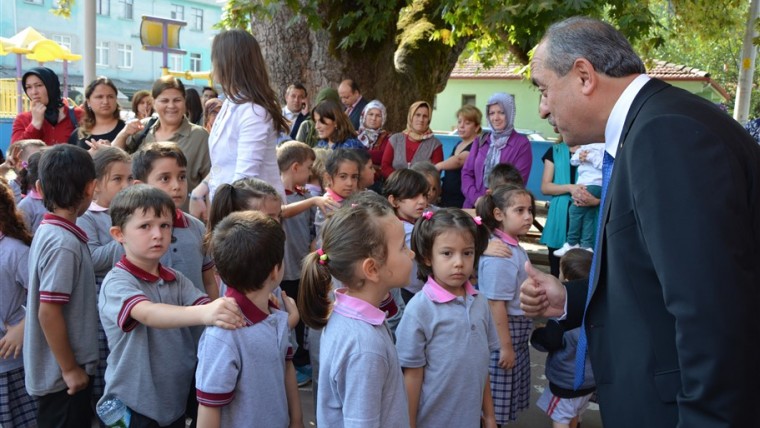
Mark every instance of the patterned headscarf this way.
pixel 499 138
pixel 53 86
pixel 409 131
pixel 368 136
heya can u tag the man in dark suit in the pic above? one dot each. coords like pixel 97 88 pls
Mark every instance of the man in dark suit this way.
pixel 671 314
pixel 352 99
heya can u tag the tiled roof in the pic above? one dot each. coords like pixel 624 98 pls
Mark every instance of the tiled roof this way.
pixel 659 69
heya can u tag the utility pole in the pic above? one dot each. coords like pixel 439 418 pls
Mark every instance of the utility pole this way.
pixel 88 53
pixel 747 66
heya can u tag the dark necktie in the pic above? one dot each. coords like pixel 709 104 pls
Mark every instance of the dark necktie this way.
pixel 580 353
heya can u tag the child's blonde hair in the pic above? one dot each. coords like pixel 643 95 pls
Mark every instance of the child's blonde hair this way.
pixel 352 234
pixel 318 168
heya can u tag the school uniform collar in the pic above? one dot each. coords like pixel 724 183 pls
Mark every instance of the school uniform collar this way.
pixel 403 220
pixel 506 238
pixel 297 190
pixel 34 194
pixel 50 218
pixel 163 273
pixel 335 197
pixel 96 208
pixel 357 309
pixel 250 311
pixel 180 220
pixel 436 293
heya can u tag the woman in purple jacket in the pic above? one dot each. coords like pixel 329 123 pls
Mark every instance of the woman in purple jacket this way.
pixel 502 145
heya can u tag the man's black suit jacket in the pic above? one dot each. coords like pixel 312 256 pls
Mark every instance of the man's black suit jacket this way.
pixel 673 322
pixel 356 113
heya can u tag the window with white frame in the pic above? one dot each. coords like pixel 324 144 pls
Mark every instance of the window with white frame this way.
pixel 127 8
pixel 39 2
pixel 125 55
pixel 196 19
pixel 101 54
pixel 195 62
pixel 178 12
pixel 62 40
pixel 175 62
pixel 103 7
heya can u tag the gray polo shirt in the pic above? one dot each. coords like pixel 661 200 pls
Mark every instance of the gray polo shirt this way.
pixel 33 209
pixel 185 253
pixel 499 278
pixel 60 272
pixel 360 379
pixel 452 338
pixel 415 284
pixel 149 369
pixel 14 279
pixel 243 371
pixel 299 231
pixel 105 251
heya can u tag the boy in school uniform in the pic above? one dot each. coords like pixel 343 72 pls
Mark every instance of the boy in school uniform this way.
pixel 61 334
pixel 295 160
pixel 147 309
pixel 246 377
pixel 164 166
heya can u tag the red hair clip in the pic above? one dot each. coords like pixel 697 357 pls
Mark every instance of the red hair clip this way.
pixel 322 256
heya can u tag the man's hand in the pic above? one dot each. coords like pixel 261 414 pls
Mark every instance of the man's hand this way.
pixel 542 294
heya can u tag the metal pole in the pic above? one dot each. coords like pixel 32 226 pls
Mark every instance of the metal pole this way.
pixel 88 53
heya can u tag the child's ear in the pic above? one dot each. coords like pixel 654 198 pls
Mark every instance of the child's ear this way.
pixel 117 234
pixel 136 181
pixel 38 187
pixel 498 214
pixel 394 202
pixel 89 189
pixel 370 269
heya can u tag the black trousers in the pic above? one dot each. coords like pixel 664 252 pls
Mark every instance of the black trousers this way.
pixel 301 357
pixel 61 410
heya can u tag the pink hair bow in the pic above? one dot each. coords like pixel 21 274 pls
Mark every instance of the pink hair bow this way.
pixel 478 220
pixel 427 215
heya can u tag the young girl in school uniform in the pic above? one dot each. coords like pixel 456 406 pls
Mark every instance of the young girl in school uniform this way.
pixel 31 206
pixel 17 408
pixel 342 173
pixel 407 190
pixel 361 384
pixel 508 214
pixel 447 323
pixel 113 172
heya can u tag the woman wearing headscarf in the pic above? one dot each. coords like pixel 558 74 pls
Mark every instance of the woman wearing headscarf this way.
pixel 49 118
pixel 416 144
pixel 502 145
pixel 372 133
pixel 307 132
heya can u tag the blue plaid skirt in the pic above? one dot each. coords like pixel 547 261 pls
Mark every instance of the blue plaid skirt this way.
pixel 511 388
pixel 17 408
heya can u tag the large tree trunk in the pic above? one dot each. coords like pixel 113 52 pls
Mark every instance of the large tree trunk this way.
pixel 398 70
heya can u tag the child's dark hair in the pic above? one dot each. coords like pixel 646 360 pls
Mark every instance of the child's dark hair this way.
pixel 504 173
pixel 230 198
pixel 362 156
pixel 104 157
pixel 427 169
pixel 291 152
pixel 29 175
pixel 501 197
pixel 353 233
pixel 576 264
pixel 139 197
pixel 142 160
pixel 336 158
pixel 427 230
pixel 11 220
pixel 246 246
pixel 65 171
pixel 405 183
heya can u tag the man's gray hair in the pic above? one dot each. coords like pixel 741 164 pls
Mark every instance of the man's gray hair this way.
pixel 599 42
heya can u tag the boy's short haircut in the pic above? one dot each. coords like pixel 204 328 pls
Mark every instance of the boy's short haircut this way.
pixel 142 160
pixel 405 183
pixel 291 152
pixel 139 197
pixel 576 264
pixel 65 170
pixel 504 173
pixel 246 246
pixel 427 168
pixel 318 168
